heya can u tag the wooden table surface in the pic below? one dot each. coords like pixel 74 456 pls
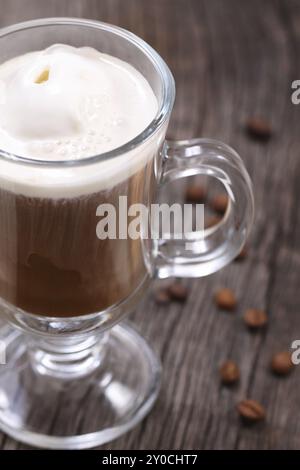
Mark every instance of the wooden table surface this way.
pixel 231 59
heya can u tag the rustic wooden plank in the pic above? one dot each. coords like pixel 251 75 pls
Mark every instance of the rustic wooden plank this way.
pixel 230 60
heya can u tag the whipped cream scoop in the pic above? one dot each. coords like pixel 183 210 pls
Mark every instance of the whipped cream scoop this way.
pixel 68 103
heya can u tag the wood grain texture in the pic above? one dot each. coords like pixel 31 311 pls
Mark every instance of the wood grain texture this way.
pixel 231 60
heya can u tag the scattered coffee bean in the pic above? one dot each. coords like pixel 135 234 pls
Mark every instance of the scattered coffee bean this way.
pixel 229 373
pixel 162 297
pixel 212 221
pixel 219 203
pixel 281 363
pixel 178 291
pixel 225 299
pixel 259 128
pixel 251 410
pixel 255 318
pixel 242 254
pixel 195 193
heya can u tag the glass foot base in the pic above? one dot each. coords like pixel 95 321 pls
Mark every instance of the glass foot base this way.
pixel 64 413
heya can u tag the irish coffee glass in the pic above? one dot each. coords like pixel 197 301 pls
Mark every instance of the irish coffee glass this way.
pixel 74 376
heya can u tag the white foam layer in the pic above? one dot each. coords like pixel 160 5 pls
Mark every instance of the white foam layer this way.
pixel 67 103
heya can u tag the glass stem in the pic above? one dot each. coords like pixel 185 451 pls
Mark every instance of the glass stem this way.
pixel 67 357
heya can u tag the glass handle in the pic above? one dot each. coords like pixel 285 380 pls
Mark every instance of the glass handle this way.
pixel 207 250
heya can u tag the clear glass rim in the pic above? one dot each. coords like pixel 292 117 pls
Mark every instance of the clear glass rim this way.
pixel 167 80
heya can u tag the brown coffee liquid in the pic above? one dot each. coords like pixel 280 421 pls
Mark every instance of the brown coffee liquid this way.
pixel 51 261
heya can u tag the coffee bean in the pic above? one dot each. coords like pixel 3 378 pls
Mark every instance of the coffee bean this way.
pixel 251 410
pixel 242 254
pixel 255 318
pixel 219 203
pixel 225 299
pixel 229 372
pixel 162 297
pixel 212 221
pixel 259 128
pixel 281 363
pixel 178 292
pixel 195 193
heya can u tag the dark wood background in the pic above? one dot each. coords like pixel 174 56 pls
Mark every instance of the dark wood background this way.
pixel 231 59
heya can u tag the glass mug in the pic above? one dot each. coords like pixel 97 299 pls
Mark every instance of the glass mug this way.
pixel 73 377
